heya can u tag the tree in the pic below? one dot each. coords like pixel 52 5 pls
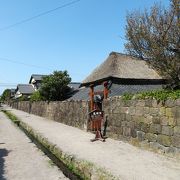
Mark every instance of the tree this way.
pixel 36 96
pixel 155 36
pixel 55 86
pixel 6 95
pixel 23 98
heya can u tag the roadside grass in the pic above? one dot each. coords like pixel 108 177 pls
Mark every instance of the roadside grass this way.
pixel 51 163
pixel 11 116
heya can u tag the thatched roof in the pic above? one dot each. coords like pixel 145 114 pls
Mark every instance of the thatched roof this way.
pixel 122 66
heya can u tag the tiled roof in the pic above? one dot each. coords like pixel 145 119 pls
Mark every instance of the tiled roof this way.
pixel 12 90
pixel 115 90
pixel 118 90
pixel 74 85
pixel 36 77
pixel 83 93
pixel 25 88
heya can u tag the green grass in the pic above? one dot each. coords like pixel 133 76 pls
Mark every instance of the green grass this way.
pixel 11 116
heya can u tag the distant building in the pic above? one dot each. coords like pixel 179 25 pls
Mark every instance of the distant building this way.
pixel 36 80
pixel 12 93
pixel 24 90
pixel 124 74
pixel 73 89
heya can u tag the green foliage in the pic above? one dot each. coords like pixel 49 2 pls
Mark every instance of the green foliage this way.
pixel 36 96
pixel 55 86
pixel 6 95
pixel 23 98
pixel 127 96
pixel 161 95
pixel 153 35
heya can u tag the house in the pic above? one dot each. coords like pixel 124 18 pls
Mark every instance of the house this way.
pixel 24 90
pixel 74 85
pixel 73 89
pixel 12 93
pixel 124 74
pixel 36 80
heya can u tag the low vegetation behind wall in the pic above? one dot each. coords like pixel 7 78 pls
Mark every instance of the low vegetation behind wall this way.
pixel 143 122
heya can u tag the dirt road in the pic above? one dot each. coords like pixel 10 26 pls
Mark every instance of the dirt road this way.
pixel 19 157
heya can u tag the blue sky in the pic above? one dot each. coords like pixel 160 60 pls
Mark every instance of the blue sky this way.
pixel 76 38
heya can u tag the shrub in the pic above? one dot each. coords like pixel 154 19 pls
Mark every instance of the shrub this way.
pixel 36 96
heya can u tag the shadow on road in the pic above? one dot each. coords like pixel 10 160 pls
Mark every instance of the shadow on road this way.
pixel 3 153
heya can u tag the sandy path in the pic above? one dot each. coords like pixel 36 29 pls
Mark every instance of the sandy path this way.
pixel 121 159
pixel 20 159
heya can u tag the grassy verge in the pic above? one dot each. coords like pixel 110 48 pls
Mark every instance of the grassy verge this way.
pixel 12 117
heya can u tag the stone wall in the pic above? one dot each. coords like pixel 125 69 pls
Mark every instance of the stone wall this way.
pixel 145 122
pixel 72 113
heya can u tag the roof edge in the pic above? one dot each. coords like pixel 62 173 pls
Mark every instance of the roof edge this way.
pixel 126 80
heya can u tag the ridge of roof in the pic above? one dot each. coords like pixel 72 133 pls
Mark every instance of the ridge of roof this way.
pixel 74 83
pixel 25 85
pixel 38 75
pixel 114 53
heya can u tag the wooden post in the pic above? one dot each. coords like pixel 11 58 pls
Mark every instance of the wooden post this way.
pixel 92 96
